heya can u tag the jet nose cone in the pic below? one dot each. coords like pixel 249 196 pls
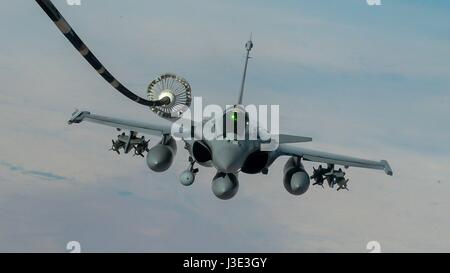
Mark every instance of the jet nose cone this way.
pixel 227 164
pixel 228 158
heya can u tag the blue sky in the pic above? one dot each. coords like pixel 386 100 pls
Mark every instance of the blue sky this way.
pixel 365 81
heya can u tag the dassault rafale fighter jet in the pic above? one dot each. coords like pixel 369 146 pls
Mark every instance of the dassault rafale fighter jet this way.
pixel 169 96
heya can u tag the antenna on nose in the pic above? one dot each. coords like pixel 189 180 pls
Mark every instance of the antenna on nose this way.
pixel 248 48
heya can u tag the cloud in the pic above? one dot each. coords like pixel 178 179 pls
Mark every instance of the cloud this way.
pixel 358 88
pixel 38 174
pixel 125 193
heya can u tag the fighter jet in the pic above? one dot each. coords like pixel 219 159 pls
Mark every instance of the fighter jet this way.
pixel 169 96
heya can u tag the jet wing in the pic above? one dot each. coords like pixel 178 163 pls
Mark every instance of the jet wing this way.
pixel 141 127
pixel 329 158
pixel 284 138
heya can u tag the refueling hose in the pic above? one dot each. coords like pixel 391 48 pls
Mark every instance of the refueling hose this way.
pixel 71 35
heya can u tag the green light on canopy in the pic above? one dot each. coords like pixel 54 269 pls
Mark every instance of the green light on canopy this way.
pixel 234 116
